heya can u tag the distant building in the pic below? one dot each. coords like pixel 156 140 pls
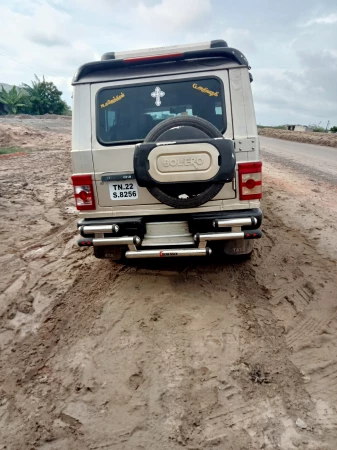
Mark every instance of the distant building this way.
pixel 298 128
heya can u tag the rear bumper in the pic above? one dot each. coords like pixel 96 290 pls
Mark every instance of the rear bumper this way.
pixel 203 228
pixel 198 223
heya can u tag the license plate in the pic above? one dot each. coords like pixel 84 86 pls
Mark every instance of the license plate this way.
pixel 123 191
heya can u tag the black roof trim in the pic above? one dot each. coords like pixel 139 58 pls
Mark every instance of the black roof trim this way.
pixel 218 43
pixel 222 52
pixel 109 55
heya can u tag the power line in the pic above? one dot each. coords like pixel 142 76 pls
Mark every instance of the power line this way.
pixel 24 64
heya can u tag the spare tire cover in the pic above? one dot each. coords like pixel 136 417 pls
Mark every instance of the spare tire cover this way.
pixel 191 194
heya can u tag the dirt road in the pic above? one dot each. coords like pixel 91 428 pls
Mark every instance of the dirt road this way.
pixel 319 161
pixel 190 354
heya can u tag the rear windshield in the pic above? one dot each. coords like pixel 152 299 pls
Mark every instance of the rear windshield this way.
pixel 128 114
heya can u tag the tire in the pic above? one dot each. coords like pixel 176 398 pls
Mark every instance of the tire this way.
pixel 188 121
pixel 207 190
pixel 180 203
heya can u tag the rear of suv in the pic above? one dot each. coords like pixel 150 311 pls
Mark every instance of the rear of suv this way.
pixel 165 153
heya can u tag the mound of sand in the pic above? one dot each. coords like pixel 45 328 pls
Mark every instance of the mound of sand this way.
pixel 327 139
pixel 25 137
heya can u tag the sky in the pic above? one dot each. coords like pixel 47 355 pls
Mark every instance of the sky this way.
pixel 291 45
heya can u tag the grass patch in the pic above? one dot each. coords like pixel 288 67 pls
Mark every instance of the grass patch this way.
pixel 9 150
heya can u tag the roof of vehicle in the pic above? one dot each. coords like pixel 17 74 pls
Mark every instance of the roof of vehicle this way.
pixel 160 61
pixel 154 70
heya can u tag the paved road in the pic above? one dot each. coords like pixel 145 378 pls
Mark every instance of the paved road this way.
pixel 314 160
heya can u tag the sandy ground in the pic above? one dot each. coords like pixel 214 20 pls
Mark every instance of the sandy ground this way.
pixel 188 354
pixel 327 139
pixel 30 133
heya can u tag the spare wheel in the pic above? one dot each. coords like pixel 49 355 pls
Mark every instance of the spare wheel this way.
pixel 184 162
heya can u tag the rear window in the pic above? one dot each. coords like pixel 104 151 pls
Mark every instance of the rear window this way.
pixel 128 114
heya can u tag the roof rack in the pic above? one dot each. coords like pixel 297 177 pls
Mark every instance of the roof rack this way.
pixel 164 50
pixel 112 60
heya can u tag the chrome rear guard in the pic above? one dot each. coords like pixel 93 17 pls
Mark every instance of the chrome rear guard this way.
pixel 174 253
pixel 198 241
pixel 202 238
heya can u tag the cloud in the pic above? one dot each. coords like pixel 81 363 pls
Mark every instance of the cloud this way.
pixel 43 41
pixel 326 20
pixel 294 77
pixel 306 95
pixel 48 40
pixel 242 39
pixel 63 84
pixel 174 15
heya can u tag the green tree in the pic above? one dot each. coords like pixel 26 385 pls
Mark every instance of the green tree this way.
pixel 13 99
pixel 45 98
pixel 67 110
pixel 317 128
pixel 333 129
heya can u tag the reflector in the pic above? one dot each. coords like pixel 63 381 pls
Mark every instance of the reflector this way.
pixel 250 183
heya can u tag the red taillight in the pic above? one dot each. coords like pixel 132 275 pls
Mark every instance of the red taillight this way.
pixel 153 58
pixel 83 192
pixel 250 181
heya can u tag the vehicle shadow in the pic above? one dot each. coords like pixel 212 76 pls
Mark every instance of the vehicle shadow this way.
pixel 181 265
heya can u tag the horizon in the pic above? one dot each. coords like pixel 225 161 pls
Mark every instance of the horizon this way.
pixel 293 82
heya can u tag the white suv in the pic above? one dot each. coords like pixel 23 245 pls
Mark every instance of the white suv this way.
pixel 165 153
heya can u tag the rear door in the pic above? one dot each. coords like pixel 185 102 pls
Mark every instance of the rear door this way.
pixel 124 113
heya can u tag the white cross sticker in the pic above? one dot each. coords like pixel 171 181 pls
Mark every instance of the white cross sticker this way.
pixel 157 94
